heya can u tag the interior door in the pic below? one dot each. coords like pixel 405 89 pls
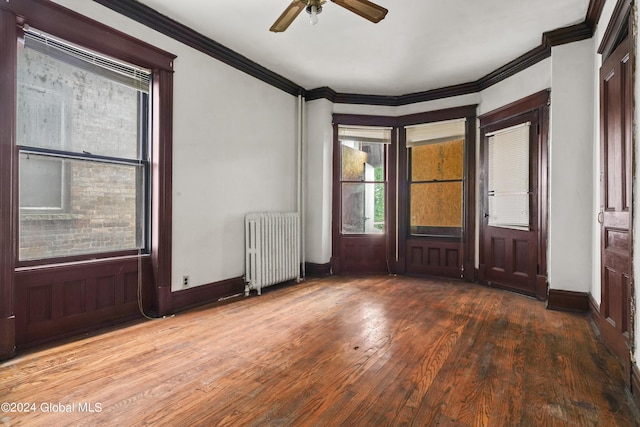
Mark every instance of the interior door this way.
pixel 616 184
pixel 361 196
pixel 509 221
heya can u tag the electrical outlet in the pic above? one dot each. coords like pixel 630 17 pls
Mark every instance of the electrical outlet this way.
pixel 185 281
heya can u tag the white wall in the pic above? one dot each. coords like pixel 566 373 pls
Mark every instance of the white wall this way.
pixel 525 83
pixel 571 167
pixel 319 181
pixel 234 151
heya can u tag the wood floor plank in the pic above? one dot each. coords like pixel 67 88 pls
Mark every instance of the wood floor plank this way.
pixel 357 351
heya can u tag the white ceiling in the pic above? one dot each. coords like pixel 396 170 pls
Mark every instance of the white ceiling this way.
pixel 420 45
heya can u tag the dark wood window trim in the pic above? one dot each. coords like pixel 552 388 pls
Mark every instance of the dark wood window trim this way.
pixel 397 170
pixel 78 29
pixel 8 172
pixel 391 193
pixel 468 241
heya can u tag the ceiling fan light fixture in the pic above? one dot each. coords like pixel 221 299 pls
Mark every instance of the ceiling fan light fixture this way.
pixel 364 8
pixel 313 11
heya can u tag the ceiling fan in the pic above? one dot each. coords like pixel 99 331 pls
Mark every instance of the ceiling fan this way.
pixel 364 8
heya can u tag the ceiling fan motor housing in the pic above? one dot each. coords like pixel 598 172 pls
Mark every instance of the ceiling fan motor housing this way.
pixel 310 7
pixel 317 4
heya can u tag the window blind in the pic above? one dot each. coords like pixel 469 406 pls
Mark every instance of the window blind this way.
pixel 437 132
pixel 127 74
pixel 508 180
pixel 380 135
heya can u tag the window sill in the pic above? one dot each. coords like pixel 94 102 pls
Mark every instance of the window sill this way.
pixel 49 217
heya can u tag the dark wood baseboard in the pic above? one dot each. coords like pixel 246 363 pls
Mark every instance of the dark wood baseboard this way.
pixel 594 310
pixel 165 301
pixel 317 270
pixel 7 337
pixel 568 301
pixel 635 383
pixel 205 294
pixel 480 274
pixel 542 288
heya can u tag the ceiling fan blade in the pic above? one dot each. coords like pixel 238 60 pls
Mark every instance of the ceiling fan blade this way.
pixel 287 17
pixel 364 8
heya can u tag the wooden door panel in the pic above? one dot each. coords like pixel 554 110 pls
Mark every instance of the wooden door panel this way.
pixel 615 215
pixel 521 255
pixel 363 255
pixel 498 259
pixel 615 289
pixel 617 240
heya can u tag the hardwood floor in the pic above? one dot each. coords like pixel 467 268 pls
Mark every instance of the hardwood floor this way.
pixel 369 351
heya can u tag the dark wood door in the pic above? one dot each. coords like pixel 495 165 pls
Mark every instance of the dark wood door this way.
pixel 616 185
pixel 509 252
pixel 362 223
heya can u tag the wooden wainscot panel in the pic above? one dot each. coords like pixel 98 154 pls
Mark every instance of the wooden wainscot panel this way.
pixel 434 258
pixel 63 300
pixel 363 255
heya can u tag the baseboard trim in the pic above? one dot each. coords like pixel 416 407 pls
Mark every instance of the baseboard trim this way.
pixel 7 338
pixel 594 314
pixel 317 270
pixel 542 288
pixel 568 301
pixel 205 294
pixel 594 308
pixel 635 383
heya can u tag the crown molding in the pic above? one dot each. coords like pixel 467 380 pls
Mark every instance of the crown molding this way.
pixel 321 93
pixel 593 13
pixel 167 26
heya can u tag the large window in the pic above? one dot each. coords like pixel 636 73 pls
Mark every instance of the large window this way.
pixel 436 178
pixel 83 139
pixel 363 178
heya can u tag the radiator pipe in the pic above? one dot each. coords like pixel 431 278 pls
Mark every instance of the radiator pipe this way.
pixel 301 187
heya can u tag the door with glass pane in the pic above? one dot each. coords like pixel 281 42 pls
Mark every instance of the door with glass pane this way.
pixel 360 199
pixel 509 222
